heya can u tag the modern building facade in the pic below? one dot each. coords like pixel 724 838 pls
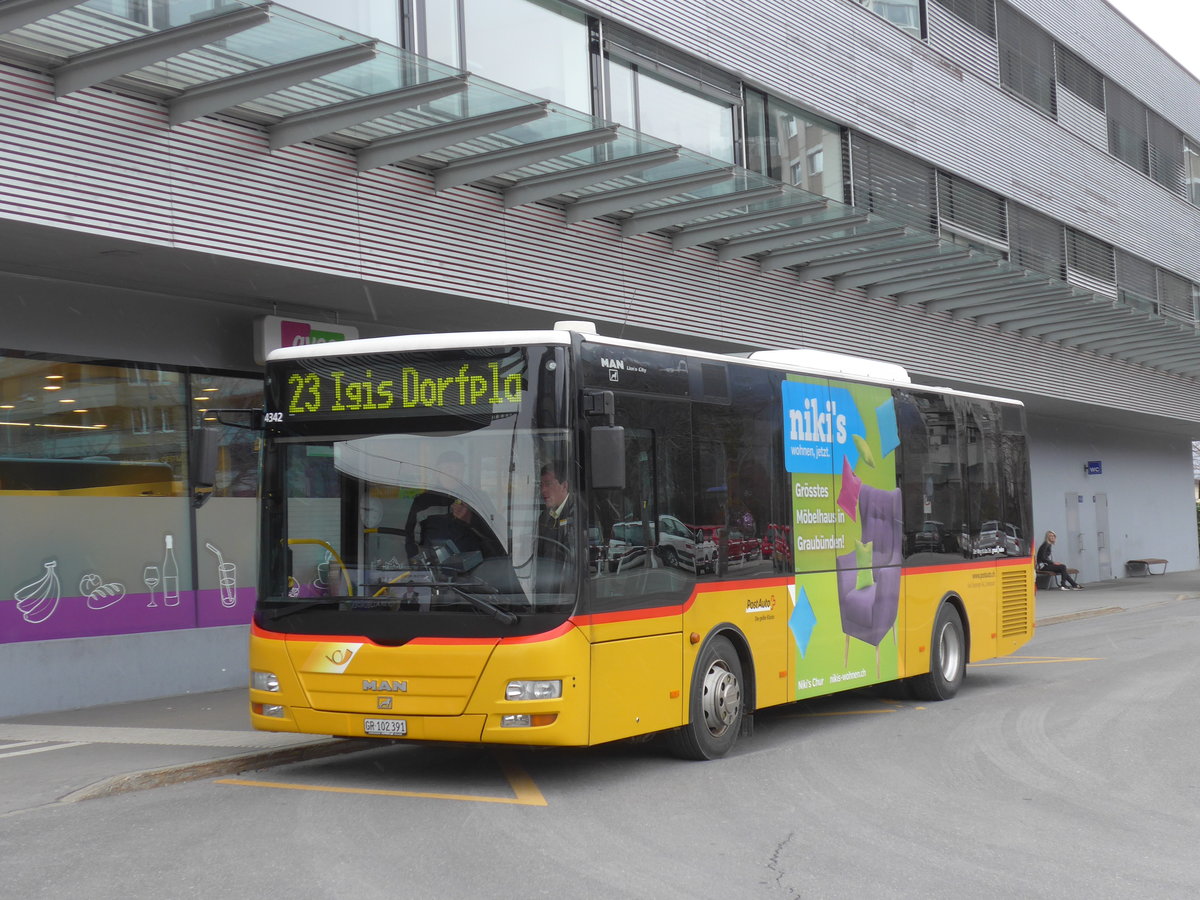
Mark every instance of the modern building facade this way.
pixel 998 195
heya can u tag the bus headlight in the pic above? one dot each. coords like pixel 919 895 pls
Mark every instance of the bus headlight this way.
pixel 533 690
pixel 264 681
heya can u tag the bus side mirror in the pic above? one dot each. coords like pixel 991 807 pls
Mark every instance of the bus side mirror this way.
pixel 607 455
pixel 204 464
pixel 607 448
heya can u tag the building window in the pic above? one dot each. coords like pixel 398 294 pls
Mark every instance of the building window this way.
pixel 1127 127
pixel 788 144
pixel 898 186
pixel 1165 150
pixel 1177 297
pixel 980 14
pixel 650 103
pixel 904 14
pixel 1037 241
pixel 1026 58
pixel 158 14
pixel 537 46
pixel 1137 282
pixel 1078 77
pixel 1091 263
pixel 368 17
pixel 971 214
pixel 1191 156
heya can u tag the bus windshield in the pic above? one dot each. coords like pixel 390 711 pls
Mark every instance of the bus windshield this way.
pixel 430 523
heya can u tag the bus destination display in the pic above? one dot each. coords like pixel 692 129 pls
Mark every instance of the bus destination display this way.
pixel 391 386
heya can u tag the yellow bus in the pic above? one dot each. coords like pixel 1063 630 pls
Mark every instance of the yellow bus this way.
pixel 556 538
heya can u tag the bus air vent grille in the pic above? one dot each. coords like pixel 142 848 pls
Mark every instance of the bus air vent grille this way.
pixel 1014 603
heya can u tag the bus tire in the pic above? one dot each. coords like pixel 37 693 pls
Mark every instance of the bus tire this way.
pixel 947 658
pixel 715 704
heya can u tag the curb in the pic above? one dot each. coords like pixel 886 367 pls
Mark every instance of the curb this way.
pixel 229 765
pixel 1082 614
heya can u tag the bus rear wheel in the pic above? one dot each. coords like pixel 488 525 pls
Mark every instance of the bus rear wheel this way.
pixel 715 704
pixel 947 659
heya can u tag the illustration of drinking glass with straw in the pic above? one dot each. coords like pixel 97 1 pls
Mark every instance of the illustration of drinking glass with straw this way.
pixel 226 578
pixel 150 576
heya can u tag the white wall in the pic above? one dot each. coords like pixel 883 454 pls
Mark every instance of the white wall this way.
pixel 1147 478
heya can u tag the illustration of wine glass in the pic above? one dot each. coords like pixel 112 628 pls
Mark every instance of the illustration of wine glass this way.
pixel 150 576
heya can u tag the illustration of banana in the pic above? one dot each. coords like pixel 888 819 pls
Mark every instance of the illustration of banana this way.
pixel 100 595
pixel 38 601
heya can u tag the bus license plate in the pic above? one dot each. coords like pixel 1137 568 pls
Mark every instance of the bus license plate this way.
pixel 386 727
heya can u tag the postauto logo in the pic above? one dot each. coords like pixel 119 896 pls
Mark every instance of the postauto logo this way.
pixel 818 422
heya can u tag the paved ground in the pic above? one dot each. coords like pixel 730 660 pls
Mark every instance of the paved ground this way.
pixel 97 751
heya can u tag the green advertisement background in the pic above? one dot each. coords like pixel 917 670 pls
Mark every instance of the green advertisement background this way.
pixel 820 663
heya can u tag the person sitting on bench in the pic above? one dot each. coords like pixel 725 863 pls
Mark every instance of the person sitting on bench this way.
pixel 1046 563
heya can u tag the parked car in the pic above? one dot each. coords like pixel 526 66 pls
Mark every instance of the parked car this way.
pixel 674 543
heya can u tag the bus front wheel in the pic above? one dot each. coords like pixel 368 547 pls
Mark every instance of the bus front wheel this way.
pixel 947 659
pixel 715 704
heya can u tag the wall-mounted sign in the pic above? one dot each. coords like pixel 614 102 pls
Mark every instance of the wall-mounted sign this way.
pixel 273 332
pixel 1094 467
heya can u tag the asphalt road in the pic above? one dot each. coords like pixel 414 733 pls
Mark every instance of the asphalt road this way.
pixel 1067 771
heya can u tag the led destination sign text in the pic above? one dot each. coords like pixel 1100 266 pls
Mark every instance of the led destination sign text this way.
pixel 338 392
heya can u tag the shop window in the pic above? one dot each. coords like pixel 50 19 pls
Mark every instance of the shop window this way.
pixel 84 429
pixel 224 402
pixel 788 144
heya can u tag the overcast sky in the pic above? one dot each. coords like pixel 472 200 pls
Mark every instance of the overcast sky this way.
pixel 1172 24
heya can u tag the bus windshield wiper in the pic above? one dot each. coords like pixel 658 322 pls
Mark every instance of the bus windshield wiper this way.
pixel 500 615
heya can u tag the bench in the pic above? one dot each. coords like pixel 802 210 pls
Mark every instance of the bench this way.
pixel 1041 580
pixel 1145 566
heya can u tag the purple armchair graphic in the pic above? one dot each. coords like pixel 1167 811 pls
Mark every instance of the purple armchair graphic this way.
pixel 869 580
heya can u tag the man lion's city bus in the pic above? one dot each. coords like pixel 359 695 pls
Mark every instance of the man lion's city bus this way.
pixel 553 538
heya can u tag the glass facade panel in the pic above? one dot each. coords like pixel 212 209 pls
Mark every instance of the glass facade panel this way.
pixel 553 59
pixel 788 144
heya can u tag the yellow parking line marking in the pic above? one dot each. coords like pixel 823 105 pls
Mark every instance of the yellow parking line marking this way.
pixel 525 792
pixel 1035 661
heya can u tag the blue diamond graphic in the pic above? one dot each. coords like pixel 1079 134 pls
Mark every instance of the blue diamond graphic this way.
pixel 802 622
